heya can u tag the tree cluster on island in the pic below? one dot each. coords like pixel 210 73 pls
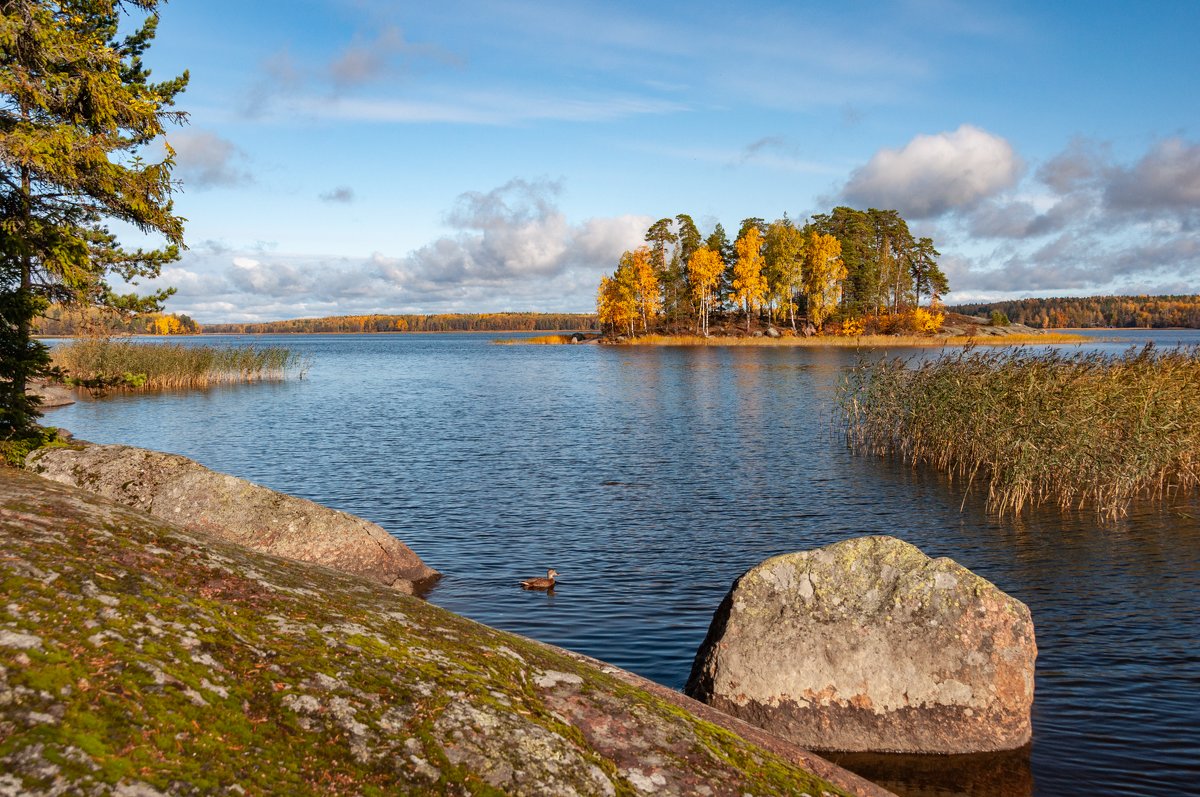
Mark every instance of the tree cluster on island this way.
pixel 849 271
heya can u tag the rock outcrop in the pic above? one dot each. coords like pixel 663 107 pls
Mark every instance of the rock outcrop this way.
pixel 177 489
pixel 971 326
pixel 51 395
pixel 141 658
pixel 869 644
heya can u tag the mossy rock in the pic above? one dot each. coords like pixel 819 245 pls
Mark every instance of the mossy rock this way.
pixel 137 657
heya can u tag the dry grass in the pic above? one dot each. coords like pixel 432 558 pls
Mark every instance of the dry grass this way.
pixel 540 340
pixel 1050 428
pixel 103 364
pixel 861 341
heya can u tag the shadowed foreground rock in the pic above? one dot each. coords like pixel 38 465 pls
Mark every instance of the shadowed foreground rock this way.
pixel 177 489
pixel 871 645
pixel 141 658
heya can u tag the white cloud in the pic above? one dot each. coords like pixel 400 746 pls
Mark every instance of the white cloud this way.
pixel 1084 224
pixel 386 55
pixel 343 194
pixel 509 248
pixel 495 108
pixel 935 174
pixel 205 160
pixel 369 59
pixel 1167 178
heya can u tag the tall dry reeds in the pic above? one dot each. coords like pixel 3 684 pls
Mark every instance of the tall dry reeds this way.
pixel 1038 428
pixel 103 364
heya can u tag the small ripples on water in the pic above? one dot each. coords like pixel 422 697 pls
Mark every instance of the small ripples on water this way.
pixel 652 478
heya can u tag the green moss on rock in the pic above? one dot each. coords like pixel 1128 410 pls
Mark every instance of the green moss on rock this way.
pixel 137 655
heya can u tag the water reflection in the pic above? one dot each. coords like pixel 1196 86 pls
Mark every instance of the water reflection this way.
pixel 652 478
pixel 1007 774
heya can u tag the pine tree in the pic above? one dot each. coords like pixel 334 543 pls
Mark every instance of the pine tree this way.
pixel 77 114
pixel 928 279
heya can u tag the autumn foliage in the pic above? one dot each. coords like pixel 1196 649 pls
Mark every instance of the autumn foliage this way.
pixel 74 320
pixel 848 267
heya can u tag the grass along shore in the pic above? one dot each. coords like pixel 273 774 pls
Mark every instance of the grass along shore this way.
pixel 853 341
pixel 816 341
pixel 1071 430
pixel 103 364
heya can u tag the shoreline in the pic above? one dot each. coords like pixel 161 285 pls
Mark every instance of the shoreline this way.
pixel 376 623
pixel 147 335
pixel 815 340
pixel 861 341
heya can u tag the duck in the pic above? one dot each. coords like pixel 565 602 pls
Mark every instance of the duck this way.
pixel 546 583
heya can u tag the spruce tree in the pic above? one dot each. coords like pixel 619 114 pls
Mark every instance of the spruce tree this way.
pixel 80 128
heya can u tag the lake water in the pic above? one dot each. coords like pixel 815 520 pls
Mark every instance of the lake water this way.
pixel 651 478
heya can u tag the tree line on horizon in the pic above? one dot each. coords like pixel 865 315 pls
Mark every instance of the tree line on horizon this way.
pixel 70 321
pixel 861 269
pixel 1095 311
pixel 62 320
pixel 439 322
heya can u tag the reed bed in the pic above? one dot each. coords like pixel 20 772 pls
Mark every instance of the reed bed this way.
pixel 1036 338
pixel 860 341
pixel 1047 428
pixel 102 364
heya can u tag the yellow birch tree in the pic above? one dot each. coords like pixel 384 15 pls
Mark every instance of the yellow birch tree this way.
pixel 616 301
pixel 823 275
pixel 648 287
pixel 749 284
pixel 783 252
pixel 704 275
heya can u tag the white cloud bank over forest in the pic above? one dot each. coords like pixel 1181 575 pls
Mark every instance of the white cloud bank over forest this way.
pixel 1081 223
pixel 509 248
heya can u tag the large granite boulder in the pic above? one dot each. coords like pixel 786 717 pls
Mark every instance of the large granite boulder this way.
pixel 184 492
pixel 869 644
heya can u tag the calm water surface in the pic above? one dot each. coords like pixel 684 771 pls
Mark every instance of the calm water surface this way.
pixel 652 478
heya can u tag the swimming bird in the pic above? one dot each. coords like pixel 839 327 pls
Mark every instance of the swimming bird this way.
pixel 546 583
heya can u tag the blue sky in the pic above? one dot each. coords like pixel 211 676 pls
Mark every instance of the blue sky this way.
pixel 352 156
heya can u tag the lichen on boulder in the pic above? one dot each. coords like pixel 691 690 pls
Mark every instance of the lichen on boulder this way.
pixel 139 657
pixel 868 644
pixel 182 491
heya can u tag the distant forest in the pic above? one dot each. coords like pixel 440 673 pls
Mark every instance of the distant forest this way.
pixel 61 320
pixel 1095 311
pixel 445 322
